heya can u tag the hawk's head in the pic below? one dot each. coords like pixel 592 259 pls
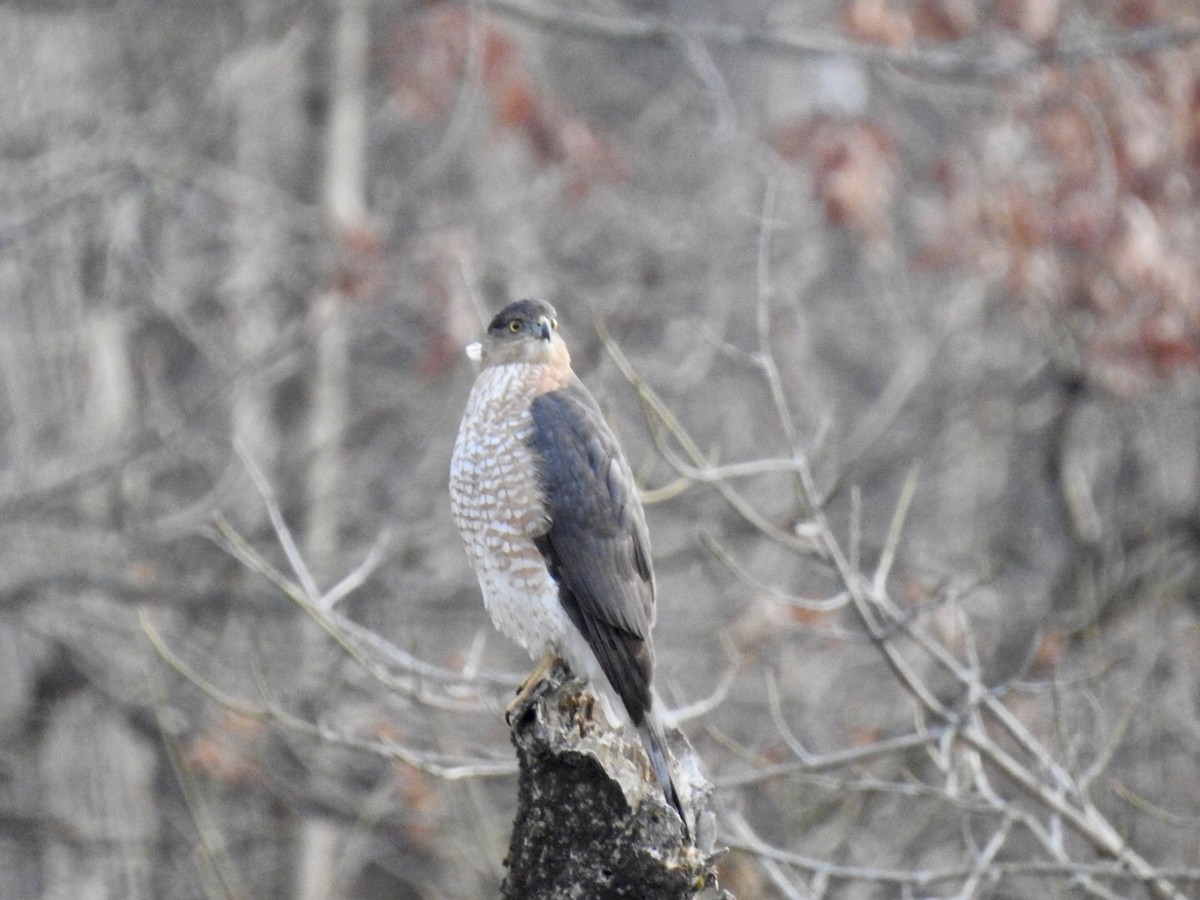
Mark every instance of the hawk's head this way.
pixel 525 332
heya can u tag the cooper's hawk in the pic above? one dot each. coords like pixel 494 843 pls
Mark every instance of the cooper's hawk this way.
pixel 546 505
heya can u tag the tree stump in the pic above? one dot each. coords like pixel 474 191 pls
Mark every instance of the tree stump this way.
pixel 591 820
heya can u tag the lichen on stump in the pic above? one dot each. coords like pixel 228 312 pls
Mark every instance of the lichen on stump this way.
pixel 591 820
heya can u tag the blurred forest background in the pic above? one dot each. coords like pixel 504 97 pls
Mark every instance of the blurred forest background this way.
pixel 893 304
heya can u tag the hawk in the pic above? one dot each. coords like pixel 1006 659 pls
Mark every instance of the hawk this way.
pixel 547 507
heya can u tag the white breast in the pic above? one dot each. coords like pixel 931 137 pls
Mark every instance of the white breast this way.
pixel 496 501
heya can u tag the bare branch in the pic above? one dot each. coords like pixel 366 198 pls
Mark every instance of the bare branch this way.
pixel 892 542
pixel 440 765
pixel 705 705
pixel 882 620
pixel 662 415
pixel 370 650
pixel 354 579
pixel 948 64
pixel 216 869
pixel 282 532
pixel 776 873
pixel 743 838
pixel 836 759
pixel 765 358
pixel 810 604
pixel 983 868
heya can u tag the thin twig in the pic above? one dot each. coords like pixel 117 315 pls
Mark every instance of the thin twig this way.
pixel 704 705
pixel 765 358
pixel 213 862
pixel 1137 696
pixel 366 647
pixel 751 843
pixel 662 415
pixel 785 731
pixel 984 863
pixel 835 759
pixel 440 765
pixel 809 604
pixel 782 881
pixel 282 532
pixel 354 579
pixel 895 527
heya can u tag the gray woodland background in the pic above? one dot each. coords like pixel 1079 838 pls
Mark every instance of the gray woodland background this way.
pixel 241 247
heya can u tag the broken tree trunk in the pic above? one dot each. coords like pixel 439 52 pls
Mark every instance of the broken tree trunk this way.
pixel 591 819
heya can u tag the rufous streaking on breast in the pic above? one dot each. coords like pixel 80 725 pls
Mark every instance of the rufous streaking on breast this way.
pixel 548 511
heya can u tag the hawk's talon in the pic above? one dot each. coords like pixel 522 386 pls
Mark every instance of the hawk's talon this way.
pixel 536 683
pixel 583 711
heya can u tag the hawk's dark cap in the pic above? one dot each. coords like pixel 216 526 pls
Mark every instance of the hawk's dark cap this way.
pixel 528 310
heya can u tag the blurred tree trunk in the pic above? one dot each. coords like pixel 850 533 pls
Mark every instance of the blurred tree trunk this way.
pixel 263 88
pixel 101 795
pixel 344 200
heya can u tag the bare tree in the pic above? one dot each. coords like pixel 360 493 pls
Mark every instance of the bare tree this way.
pixel 890 303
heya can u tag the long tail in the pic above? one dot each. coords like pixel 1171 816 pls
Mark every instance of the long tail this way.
pixel 655 741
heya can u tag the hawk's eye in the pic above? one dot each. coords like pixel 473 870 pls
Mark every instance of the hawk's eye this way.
pixel 514 325
pixel 554 324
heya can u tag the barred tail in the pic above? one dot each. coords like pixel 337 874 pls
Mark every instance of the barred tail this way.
pixel 655 741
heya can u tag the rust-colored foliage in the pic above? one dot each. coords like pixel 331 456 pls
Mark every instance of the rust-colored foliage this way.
pixel 359 272
pixel 430 59
pixel 1079 194
pixel 935 21
pixel 418 793
pixel 864 735
pixel 1091 217
pixel 1049 651
pixel 878 22
pixel 227 751
pixel 1037 21
pixel 804 615
pixel 853 164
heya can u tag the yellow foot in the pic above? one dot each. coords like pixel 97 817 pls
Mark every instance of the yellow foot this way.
pixel 529 687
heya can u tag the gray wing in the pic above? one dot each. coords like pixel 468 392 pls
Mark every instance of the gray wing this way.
pixel 597 548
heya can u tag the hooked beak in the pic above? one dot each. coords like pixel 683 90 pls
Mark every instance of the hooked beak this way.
pixel 543 327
